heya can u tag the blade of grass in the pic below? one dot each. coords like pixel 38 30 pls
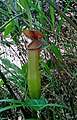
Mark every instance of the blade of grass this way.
pixel 42 21
pixel 52 15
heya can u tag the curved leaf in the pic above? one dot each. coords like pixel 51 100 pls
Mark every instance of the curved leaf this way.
pixel 36 104
pixel 56 51
pixel 9 28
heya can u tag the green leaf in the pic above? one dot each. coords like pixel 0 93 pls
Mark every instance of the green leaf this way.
pixel 41 19
pixel 17 76
pixel 4 12
pixel 19 81
pixel 8 64
pixel 46 67
pixel 75 74
pixel 56 51
pixel 39 104
pixel 9 28
pixel 9 107
pixel 52 14
pixel 39 11
pixel 25 4
pixel 17 103
pixel 11 100
pixel 5 72
pixel 56 105
pixel 21 78
pixel 1 82
pixel 50 64
pixel 36 104
pixel 24 68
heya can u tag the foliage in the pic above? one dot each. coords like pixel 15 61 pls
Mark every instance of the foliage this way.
pixel 58 63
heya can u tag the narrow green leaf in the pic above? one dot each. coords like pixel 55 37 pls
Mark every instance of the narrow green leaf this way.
pixel 9 28
pixel 56 105
pixel 52 14
pixel 46 67
pixel 75 74
pixel 5 72
pixel 11 100
pixel 25 4
pixel 36 104
pixel 1 82
pixel 41 19
pixel 24 68
pixel 9 107
pixel 8 64
pixel 56 51
pixel 4 12
pixel 39 11
pixel 4 25
pixel 39 104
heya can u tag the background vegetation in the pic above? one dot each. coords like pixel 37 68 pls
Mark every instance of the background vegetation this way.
pixel 57 20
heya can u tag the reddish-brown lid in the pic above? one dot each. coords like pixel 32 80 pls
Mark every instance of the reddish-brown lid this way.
pixel 33 34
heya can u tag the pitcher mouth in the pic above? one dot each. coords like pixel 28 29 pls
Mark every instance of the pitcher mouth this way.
pixel 35 45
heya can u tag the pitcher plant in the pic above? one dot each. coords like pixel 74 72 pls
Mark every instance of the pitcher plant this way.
pixel 34 77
